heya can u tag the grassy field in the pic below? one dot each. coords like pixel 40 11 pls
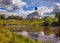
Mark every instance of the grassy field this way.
pixel 28 25
pixel 21 22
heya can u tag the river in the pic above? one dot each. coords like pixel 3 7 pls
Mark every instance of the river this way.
pixel 40 36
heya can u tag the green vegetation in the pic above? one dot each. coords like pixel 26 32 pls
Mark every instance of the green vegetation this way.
pixel 15 23
pixel 48 20
pixel 56 20
pixel 8 37
pixel 17 20
pixel 14 17
pixel 2 17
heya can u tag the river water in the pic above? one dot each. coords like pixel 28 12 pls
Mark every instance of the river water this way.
pixel 40 36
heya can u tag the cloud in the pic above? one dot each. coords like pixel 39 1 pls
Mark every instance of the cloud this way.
pixel 24 13
pixel 49 11
pixel 43 10
pixel 12 5
pixel 57 7
pixel 57 4
pixel 5 2
pixel 18 3
pixel 15 7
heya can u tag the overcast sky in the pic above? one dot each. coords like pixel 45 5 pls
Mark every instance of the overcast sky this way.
pixel 24 7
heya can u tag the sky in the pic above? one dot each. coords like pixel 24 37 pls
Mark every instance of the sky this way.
pixel 25 7
pixel 32 3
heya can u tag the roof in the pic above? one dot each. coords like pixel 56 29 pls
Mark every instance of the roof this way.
pixel 33 14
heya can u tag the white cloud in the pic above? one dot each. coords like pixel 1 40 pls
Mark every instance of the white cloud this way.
pixel 13 3
pixel 18 3
pixel 58 5
pixel 19 10
pixel 43 9
pixel 24 13
pixel 49 10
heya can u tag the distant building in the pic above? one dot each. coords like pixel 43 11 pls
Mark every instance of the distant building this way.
pixel 34 15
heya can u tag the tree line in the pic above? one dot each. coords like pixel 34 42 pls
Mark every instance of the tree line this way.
pixel 47 20
pixel 2 17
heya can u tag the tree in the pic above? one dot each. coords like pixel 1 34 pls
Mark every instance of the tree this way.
pixel 57 16
pixel 2 17
pixel 18 18
pixel 57 19
pixel 15 17
pixel 48 20
pixel 11 17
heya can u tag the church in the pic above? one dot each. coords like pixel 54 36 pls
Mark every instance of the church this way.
pixel 34 15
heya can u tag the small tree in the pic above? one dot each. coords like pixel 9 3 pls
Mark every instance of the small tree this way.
pixel 2 17
pixel 48 20
pixel 57 16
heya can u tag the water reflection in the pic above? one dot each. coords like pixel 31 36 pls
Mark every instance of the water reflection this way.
pixel 40 36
